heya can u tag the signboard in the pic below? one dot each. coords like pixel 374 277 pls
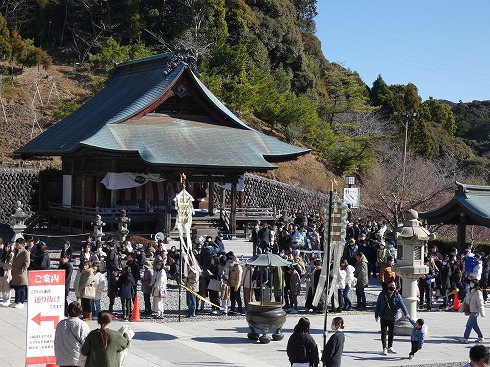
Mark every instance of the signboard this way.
pixel 45 307
pixel 351 196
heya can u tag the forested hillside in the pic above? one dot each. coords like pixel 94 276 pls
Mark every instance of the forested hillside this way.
pixel 262 58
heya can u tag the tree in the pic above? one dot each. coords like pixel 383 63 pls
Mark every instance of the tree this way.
pixel 5 46
pixel 387 195
pixel 440 113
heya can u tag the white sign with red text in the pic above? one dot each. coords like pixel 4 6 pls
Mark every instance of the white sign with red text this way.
pixel 45 307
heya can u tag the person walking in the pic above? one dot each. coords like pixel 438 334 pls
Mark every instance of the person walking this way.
pixel 102 346
pixel 302 349
pixel 6 260
pixel 69 336
pixel 332 354
pixel 417 337
pixel 361 273
pixel 19 281
pixel 473 306
pixel 235 281
pixel 387 305
pixel 159 289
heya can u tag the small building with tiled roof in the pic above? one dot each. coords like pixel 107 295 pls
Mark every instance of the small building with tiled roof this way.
pixel 153 117
pixel 469 206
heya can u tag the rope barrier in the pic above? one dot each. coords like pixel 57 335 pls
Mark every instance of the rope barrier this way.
pixel 55 236
pixel 205 300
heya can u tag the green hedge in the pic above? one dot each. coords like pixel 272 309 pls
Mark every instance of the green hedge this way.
pixel 445 244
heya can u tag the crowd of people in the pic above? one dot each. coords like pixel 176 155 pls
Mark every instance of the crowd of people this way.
pixel 219 283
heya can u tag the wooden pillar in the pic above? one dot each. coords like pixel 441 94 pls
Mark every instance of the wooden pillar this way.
pixel 168 209
pixel 113 192
pixel 147 196
pixel 211 198
pixel 222 199
pixel 242 199
pixel 83 191
pixel 233 209
pixel 462 235
pixel 97 191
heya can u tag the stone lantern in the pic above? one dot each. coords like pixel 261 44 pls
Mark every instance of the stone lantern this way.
pixel 98 224
pixel 122 225
pixel 411 239
pixel 18 221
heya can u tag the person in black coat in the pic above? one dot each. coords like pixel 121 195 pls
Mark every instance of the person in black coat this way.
pixel 445 279
pixel 302 348
pixel 332 354
pixel 67 266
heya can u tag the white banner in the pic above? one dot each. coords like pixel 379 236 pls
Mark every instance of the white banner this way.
pixel 127 180
pixel 45 308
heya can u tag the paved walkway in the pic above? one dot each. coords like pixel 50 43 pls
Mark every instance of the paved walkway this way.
pixel 224 343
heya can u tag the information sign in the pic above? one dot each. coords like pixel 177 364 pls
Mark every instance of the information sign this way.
pixel 45 307
pixel 351 196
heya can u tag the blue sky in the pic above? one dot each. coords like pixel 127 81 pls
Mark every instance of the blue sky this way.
pixel 443 47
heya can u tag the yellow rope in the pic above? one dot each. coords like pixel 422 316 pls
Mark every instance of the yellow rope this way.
pixel 205 300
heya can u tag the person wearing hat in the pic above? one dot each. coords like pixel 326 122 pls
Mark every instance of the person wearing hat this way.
pixel 475 274
pixel 146 285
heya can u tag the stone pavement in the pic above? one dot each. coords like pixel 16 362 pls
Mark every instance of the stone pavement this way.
pixel 224 342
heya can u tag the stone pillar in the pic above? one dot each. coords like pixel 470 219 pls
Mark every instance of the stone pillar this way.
pixel 411 238
pixel 98 224
pixel 18 219
pixel 122 225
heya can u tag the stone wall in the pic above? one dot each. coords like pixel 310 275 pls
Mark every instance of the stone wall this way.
pixel 16 184
pixel 261 192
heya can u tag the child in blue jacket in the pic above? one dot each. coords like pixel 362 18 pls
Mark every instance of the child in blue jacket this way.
pixel 417 337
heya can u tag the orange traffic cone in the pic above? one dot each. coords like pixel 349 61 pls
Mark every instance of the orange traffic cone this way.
pixel 135 315
pixel 456 302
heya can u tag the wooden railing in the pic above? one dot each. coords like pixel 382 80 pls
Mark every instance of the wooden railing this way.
pixel 247 215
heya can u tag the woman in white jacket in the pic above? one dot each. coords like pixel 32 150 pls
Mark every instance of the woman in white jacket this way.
pixel 158 289
pixel 339 296
pixel 473 299
pixel 69 337
pixel 100 286
pixel 349 283
pixel 6 259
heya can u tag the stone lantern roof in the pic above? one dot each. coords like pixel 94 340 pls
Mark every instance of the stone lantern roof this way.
pixel 412 228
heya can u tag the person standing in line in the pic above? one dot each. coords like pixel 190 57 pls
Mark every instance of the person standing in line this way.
pixel 67 266
pixel 473 302
pixel 87 281
pixel 425 285
pixel 247 285
pixel 69 336
pixel 191 281
pixel 479 356
pixel 295 286
pixel 302 349
pixel 213 273
pixel 6 260
pixel 19 281
pixel 112 288
pixel 349 281
pixel 102 346
pixel 387 305
pixel 146 285
pixel 127 287
pixel 100 285
pixel 332 354
pixel 236 273
pixel 417 337
pixel 159 289
pixel 362 275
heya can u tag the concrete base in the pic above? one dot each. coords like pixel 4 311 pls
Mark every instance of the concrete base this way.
pixel 404 327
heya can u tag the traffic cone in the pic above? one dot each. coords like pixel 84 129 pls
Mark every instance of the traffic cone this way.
pixel 135 315
pixel 456 302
